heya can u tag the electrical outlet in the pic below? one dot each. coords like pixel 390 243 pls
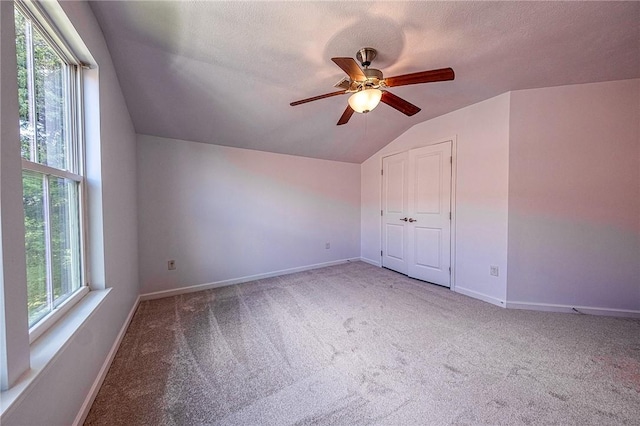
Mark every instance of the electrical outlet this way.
pixel 494 270
pixel 171 265
pixel 327 246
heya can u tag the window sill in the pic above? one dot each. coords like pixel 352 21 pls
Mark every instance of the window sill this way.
pixel 47 347
pixel 54 316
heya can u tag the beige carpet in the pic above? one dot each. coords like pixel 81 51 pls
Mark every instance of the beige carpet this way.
pixel 355 344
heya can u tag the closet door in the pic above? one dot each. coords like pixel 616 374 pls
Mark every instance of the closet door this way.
pixel 394 212
pixel 429 210
pixel 416 213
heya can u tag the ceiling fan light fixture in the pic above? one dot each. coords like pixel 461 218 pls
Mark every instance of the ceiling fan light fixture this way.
pixel 365 100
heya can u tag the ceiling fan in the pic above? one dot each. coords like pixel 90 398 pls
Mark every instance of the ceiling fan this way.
pixel 368 85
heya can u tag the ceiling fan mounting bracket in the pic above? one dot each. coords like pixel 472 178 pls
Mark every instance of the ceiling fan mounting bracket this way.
pixel 366 55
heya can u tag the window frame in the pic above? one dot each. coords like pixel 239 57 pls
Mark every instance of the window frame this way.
pixel 76 172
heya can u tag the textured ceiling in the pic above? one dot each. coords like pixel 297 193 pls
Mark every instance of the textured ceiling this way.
pixel 225 72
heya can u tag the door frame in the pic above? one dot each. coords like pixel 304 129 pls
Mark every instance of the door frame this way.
pixel 454 173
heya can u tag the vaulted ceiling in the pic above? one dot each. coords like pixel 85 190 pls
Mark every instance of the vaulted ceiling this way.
pixel 225 72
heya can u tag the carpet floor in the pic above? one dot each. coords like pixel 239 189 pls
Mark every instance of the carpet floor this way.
pixel 354 344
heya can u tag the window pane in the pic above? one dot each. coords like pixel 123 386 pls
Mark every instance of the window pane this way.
pixel 26 129
pixel 43 80
pixel 48 136
pixel 49 76
pixel 35 241
pixel 65 237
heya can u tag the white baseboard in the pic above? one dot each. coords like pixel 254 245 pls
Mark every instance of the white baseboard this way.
pixel 480 296
pixel 95 388
pixel 224 283
pixel 370 262
pixel 591 310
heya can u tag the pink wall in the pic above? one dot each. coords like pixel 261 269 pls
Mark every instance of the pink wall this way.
pixel 574 196
pixel 227 213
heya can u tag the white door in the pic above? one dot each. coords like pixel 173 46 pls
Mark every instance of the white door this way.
pixel 429 230
pixel 416 213
pixel 394 212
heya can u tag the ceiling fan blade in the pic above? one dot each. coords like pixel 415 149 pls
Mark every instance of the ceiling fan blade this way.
pixel 443 74
pixel 350 66
pixel 400 104
pixel 346 115
pixel 315 98
pixel 344 83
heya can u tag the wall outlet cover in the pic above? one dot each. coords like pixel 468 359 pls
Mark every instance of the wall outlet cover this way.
pixel 494 270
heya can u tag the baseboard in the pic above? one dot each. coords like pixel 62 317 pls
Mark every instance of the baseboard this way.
pixel 480 296
pixel 591 310
pixel 95 388
pixel 224 283
pixel 370 262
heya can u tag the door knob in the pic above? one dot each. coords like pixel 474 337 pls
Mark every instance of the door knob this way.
pixel 404 219
pixel 413 220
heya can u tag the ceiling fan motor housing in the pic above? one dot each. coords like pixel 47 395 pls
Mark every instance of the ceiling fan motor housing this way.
pixel 373 76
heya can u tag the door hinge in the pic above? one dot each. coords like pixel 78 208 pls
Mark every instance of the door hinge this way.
pixel 380 212
pixel 449 270
pixel 380 252
pixel 451 160
pixel 449 215
pixel 382 172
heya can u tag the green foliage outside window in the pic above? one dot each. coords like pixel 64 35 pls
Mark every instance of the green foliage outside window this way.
pixel 51 203
pixel 41 98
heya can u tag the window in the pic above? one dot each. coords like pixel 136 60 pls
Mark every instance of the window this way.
pixel 52 175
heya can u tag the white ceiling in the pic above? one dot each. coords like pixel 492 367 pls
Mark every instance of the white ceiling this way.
pixel 225 72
